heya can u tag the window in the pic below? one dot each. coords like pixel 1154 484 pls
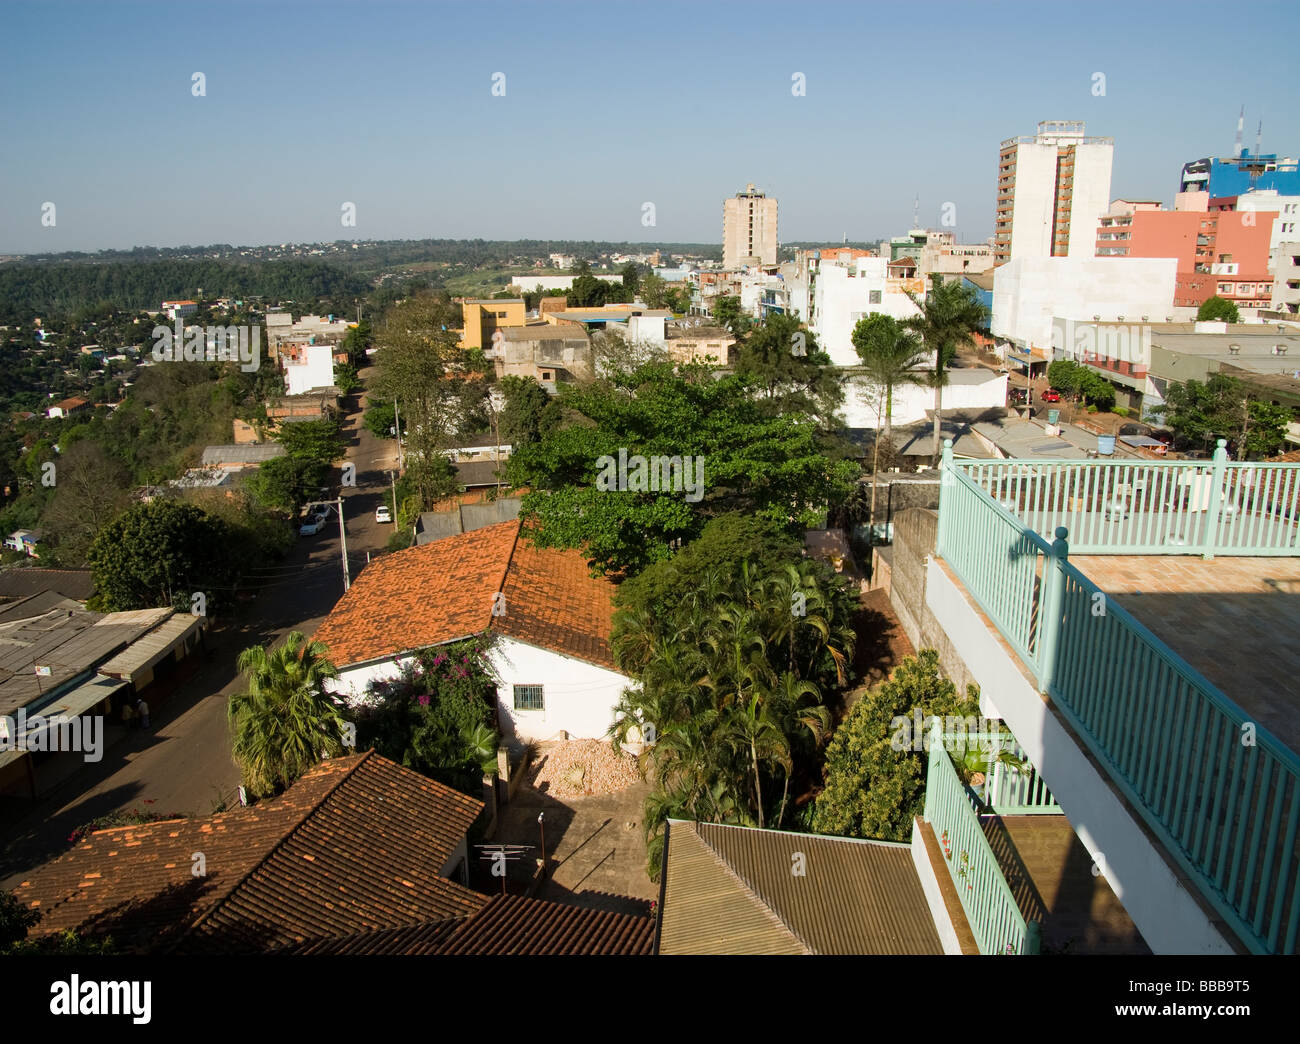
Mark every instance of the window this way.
pixel 529 698
pixel 501 315
pixel 873 297
pixel 546 375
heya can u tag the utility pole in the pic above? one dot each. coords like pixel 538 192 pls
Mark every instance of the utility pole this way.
pixel 397 430
pixel 392 477
pixel 343 542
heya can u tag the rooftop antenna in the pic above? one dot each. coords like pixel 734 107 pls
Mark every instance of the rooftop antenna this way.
pixel 1241 120
pixel 1259 139
pixel 916 212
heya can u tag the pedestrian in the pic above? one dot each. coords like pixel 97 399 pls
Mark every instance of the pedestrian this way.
pixel 142 709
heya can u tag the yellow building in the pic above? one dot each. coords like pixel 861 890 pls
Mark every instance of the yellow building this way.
pixel 483 316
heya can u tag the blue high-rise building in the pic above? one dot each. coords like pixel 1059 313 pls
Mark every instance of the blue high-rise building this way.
pixel 1235 175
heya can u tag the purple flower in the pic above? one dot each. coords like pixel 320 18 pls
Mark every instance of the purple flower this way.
pixel 424 700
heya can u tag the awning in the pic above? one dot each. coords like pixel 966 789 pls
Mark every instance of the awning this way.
pixel 71 704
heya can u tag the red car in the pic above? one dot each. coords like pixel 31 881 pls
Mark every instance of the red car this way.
pixel 1051 395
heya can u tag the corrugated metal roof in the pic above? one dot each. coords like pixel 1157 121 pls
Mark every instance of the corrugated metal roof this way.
pixel 736 890
pixel 151 647
pixel 50 631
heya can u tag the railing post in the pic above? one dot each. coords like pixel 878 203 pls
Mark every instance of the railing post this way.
pixel 945 483
pixel 1209 540
pixel 1033 938
pixel 1049 616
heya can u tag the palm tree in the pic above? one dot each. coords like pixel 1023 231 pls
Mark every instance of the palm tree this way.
pixel 752 730
pixel 891 354
pixel 950 316
pixel 285 722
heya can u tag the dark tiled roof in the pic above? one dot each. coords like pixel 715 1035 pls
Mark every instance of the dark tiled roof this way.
pixel 77 584
pixel 508 924
pixel 733 890
pixel 356 844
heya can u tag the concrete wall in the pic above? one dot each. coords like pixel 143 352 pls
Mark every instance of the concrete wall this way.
pixel 915 533
pixel 579 697
pixel 1034 202
pixel 1091 196
pixel 315 370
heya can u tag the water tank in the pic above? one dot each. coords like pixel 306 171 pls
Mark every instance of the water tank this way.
pixel 1106 445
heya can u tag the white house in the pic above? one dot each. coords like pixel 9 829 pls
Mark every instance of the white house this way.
pixel 307 367
pixel 845 293
pixel 550 619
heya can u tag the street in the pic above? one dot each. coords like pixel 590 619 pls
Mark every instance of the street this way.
pixel 182 764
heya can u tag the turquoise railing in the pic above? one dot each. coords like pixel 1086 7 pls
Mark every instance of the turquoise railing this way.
pixel 1151 507
pixel 1221 792
pixel 991 910
pixel 1018 791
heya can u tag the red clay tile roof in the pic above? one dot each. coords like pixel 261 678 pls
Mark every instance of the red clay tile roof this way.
pixel 552 601
pixel 426 595
pixel 357 844
pixel 508 924
pixel 443 591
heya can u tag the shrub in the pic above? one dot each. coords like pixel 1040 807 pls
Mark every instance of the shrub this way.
pixel 1120 411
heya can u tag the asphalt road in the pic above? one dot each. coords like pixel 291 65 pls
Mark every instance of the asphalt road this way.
pixel 182 764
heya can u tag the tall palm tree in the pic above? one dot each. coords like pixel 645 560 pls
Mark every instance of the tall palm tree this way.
pixel 752 730
pixel 891 355
pixel 285 722
pixel 950 316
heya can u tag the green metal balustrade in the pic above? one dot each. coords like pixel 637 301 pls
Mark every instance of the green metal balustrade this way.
pixel 1221 792
pixel 991 910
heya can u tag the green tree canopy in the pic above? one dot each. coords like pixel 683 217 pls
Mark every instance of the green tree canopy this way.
pixel 951 315
pixel 1218 308
pixel 161 553
pixel 872 790
pixel 793 373
pixel 772 467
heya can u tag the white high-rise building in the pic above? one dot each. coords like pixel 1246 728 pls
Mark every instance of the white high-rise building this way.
pixel 1053 188
pixel 748 229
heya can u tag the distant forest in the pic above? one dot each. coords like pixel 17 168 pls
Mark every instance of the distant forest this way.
pixel 144 277
pixel 34 290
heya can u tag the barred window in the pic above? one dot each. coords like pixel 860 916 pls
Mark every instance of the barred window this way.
pixel 529 698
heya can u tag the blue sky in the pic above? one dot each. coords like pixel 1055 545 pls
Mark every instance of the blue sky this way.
pixel 607 106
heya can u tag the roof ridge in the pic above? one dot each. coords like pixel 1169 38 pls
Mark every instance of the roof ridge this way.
pixel 746 886
pixel 310 811
pixel 510 558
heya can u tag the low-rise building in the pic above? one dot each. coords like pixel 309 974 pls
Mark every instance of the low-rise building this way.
pixel 551 621
pixel 549 353
pixel 68 407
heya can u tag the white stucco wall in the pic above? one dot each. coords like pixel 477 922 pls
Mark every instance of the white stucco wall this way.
pixel 841 300
pixel 316 370
pixel 1029 291
pixel 579 697
pixel 966 390
pixel 1169 918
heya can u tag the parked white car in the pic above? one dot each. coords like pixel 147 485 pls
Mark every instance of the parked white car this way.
pixel 310 529
pixel 382 514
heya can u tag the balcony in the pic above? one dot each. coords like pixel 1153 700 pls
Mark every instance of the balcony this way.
pixel 1022 882
pixel 1165 717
